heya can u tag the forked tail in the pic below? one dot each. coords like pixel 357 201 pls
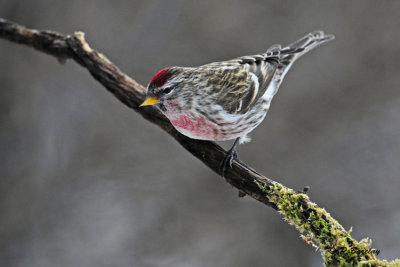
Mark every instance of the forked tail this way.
pixel 290 54
pixel 295 50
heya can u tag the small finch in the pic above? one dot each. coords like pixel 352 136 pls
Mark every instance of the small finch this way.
pixel 226 100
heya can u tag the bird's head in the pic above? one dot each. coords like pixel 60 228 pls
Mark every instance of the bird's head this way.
pixel 164 87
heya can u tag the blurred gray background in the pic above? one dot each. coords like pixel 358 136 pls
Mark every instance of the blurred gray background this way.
pixel 87 182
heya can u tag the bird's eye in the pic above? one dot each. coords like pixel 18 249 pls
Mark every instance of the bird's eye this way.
pixel 168 90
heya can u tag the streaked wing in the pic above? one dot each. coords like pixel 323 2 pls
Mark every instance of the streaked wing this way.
pixel 239 83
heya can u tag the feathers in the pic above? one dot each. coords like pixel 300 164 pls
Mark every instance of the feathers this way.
pixel 304 45
pixel 226 100
pixel 246 79
pixel 160 78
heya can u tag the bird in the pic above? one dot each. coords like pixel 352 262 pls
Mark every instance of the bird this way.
pixel 226 100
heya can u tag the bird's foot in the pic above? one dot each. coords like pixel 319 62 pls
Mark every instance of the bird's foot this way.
pixel 228 160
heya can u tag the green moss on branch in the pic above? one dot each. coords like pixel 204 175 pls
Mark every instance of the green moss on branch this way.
pixel 319 229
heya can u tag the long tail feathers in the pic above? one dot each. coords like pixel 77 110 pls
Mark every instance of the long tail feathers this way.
pixel 295 50
pixel 289 54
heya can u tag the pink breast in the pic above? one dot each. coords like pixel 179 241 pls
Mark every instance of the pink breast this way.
pixel 194 127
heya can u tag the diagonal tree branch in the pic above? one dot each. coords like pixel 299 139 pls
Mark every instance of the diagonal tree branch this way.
pixel 318 228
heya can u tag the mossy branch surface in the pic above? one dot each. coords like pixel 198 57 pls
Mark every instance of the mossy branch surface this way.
pixel 317 227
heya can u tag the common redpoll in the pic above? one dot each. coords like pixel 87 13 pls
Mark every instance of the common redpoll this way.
pixel 226 100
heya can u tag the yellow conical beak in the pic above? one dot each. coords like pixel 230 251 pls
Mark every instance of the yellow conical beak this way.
pixel 150 101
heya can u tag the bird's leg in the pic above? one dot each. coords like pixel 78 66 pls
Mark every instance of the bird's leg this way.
pixel 229 157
